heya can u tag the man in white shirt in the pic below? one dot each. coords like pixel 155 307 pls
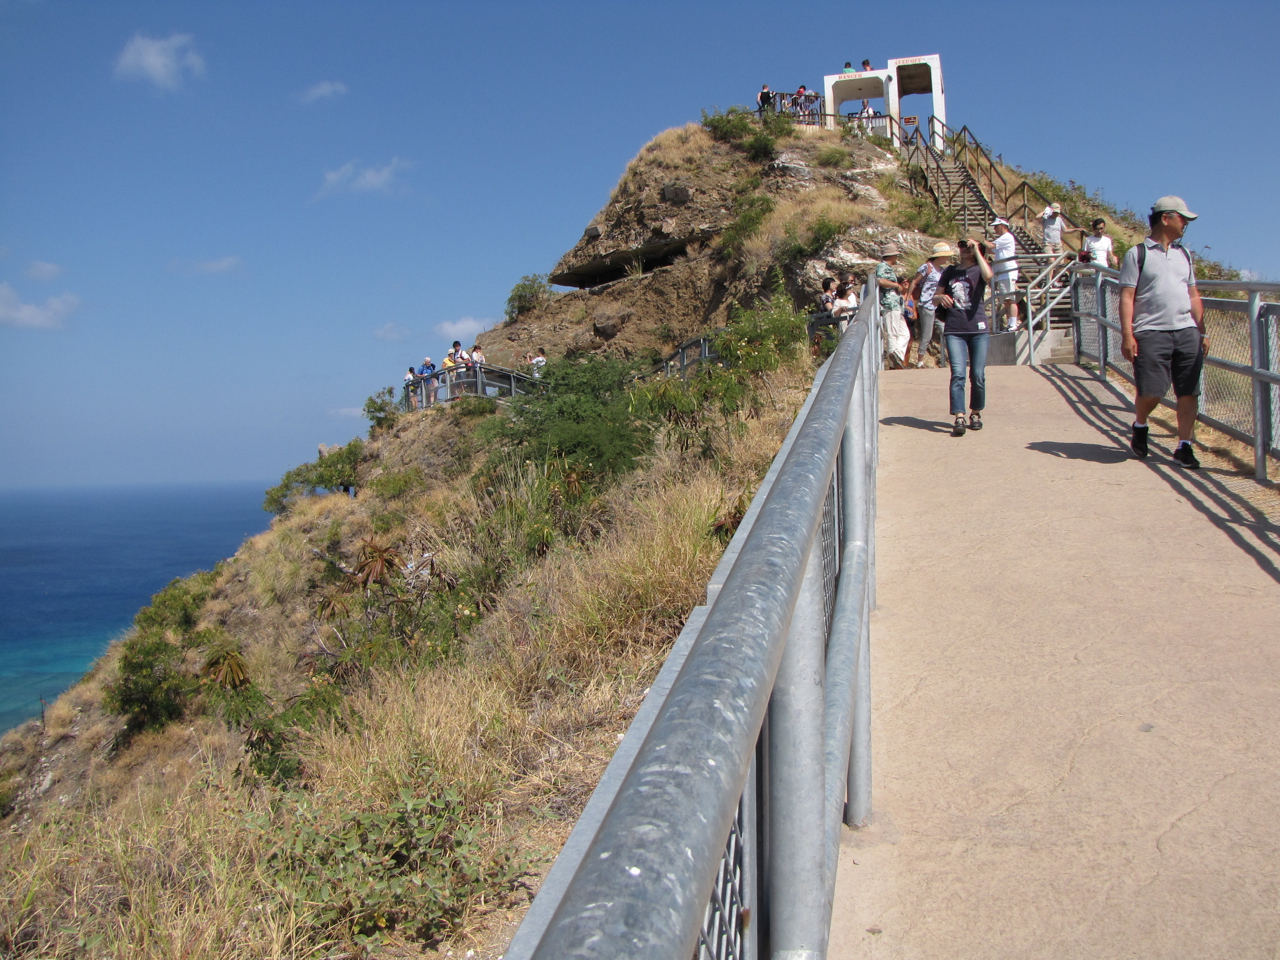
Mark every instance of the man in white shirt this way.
pixel 1004 267
pixel 1098 244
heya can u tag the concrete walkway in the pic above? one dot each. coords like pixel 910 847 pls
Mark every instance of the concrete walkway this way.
pixel 1076 688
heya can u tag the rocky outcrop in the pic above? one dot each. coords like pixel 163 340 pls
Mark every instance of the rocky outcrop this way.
pixel 651 270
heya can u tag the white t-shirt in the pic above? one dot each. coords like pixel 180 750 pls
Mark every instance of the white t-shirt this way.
pixel 1098 248
pixel 1005 246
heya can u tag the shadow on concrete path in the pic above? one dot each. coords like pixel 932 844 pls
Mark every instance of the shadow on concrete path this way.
pixel 1093 452
pixel 1110 411
pixel 932 426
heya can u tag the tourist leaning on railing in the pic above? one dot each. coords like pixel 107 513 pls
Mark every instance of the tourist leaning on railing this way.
pixel 891 287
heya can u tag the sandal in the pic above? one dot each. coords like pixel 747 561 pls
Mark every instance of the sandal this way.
pixel 958 429
pixel 975 421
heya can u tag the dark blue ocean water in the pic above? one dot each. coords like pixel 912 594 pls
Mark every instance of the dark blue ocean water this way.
pixel 75 566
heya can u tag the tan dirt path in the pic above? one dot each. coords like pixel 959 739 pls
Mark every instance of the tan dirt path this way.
pixel 1076 690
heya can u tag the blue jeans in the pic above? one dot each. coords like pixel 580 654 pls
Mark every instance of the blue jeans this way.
pixel 968 350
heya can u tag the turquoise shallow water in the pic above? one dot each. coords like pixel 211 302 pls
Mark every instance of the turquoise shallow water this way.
pixel 75 566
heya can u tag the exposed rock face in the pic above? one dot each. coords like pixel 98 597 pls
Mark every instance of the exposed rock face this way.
pixel 676 193
pixel 651 268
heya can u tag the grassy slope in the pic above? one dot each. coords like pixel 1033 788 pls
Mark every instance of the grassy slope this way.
pixel 174 841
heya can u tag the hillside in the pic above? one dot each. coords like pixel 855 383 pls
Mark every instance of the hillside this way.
pixel 366 732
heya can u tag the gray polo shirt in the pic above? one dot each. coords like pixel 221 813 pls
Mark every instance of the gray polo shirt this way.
pixel 1161 299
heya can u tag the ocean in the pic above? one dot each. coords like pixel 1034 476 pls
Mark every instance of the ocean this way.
pixel 77 564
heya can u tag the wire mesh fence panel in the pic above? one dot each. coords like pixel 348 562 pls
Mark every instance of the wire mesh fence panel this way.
pixel 830 534
pixel 1227 395
pixel 722 925
pixel 1086 304
pixel 1271 351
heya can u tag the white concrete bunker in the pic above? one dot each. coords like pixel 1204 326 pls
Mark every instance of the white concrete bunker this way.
pixel 901 78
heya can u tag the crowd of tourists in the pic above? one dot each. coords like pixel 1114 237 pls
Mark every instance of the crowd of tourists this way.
pixel 460 372
pixel 805 105
pixel 1162 327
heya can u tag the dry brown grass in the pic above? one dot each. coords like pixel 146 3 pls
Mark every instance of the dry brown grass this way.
pixel 154 859
pixel 794 216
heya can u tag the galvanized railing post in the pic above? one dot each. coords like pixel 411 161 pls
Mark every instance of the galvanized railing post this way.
pixel 1261 389
pixel 797 908
pixel 858 781
pixel 1104 335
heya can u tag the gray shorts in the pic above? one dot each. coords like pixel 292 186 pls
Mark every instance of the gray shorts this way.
pixel 1166 356
pixel 1005 284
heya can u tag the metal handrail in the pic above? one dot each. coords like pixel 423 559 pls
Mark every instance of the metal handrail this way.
pixel 482 379
pixel 736 760
pixel 1071 238
pixel 1263 370
pixel 812 112
pixel 982 162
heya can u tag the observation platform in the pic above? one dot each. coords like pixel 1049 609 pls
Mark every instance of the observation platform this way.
pixel 1076 688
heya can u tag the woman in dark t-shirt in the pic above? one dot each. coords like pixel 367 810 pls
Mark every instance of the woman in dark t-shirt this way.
pixel 961 308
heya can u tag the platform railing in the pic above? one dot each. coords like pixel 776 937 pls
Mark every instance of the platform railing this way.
pixel 715 830
pixel 1240 386
pixel 474 380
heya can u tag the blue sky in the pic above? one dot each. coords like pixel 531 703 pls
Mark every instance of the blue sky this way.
pixel 223 225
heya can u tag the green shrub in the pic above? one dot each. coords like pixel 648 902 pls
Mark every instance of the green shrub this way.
pixel 177 606
pixel 150 690
pixel 832 157
pixel 702 411
pixel 473 406
pixel 382 410
pixel 820 233
pixel 581 416
pixel 151 687
pixel 778 125
pixel 336 471
pixel 733 125
pixel 761 147
pixel 884 143
pixel 531 292
pixel 398 483
pixel 757 340
pixel 410 865
pixel 751 210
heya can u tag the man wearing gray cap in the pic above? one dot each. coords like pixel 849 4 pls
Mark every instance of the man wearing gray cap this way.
pixel 1162 325
pixel 1051 223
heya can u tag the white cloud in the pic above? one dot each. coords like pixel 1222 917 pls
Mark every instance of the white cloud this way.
pixel 216 266
pixel 164 62
pixel 39 270
pixel 464 329
pixel 15 313
pixel 325 90
pixel 391 331
pixel 351 177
